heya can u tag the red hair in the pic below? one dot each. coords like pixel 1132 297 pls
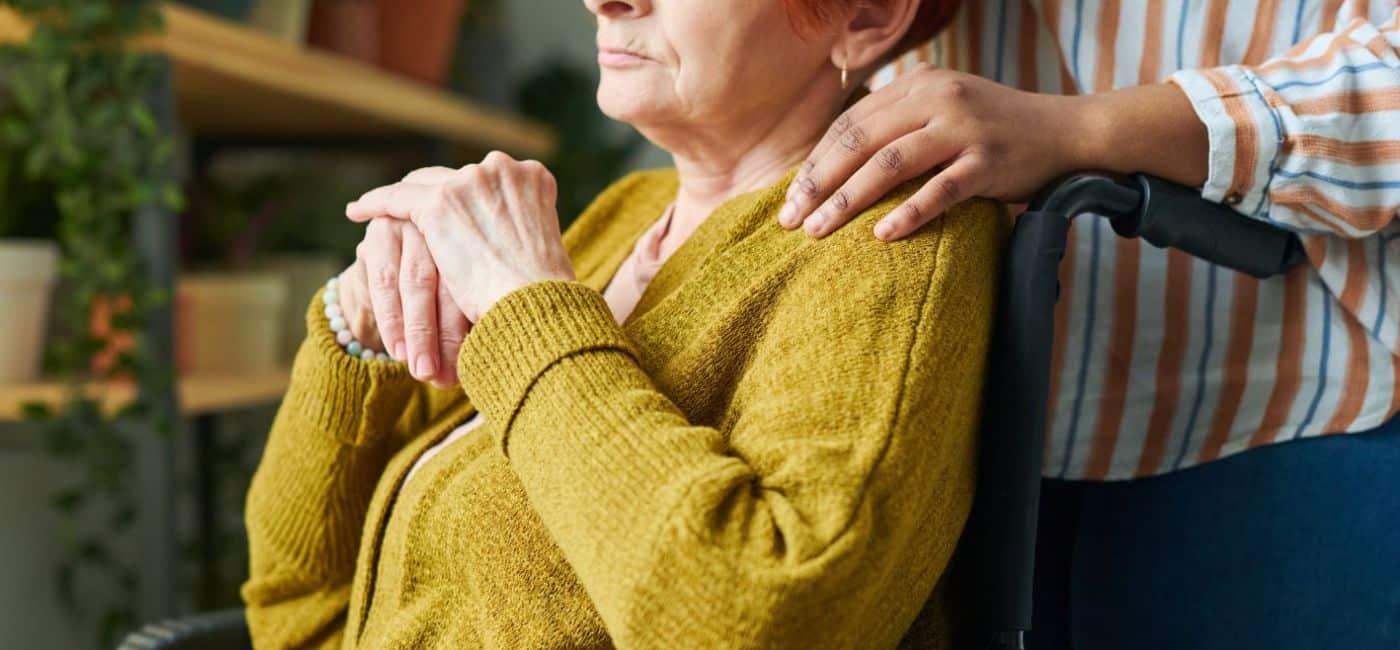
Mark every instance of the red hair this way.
pixel 932 17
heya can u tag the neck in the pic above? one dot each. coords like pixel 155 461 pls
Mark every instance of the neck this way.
pixel 720 162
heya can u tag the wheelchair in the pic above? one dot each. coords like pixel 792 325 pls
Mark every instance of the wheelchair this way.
pixel 1000 536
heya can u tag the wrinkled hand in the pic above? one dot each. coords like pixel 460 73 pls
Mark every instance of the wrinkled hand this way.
pixel 985 139
pixel 355 306
pixel 411 311
pixel 491 228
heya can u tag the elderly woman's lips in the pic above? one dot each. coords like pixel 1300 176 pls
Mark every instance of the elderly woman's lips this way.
pixel 614 58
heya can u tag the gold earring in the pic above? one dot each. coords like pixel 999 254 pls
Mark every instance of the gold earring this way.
pixel 845 78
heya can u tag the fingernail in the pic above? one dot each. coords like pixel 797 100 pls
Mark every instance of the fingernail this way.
pixel 788 216
pixel 425 367
pixel 814 224
pixel 884 230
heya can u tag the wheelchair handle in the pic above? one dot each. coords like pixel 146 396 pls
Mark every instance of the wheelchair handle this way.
pixel 1005 513
pixel 1168 215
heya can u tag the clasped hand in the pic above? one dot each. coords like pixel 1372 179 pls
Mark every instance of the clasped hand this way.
pixel 441 247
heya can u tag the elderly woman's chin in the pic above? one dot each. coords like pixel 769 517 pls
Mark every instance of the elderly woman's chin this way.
pixel 635 100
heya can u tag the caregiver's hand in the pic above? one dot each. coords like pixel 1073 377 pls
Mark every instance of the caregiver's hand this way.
pixel 985 139
pixel 491 228
pixel 412 313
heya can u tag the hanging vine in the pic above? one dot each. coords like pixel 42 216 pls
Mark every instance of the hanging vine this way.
pixel 76 123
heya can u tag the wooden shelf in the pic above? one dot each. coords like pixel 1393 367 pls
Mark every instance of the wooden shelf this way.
pixel 232 80
pixel 198 395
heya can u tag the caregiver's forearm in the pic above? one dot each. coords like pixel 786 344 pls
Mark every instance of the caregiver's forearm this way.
pixel 1147 129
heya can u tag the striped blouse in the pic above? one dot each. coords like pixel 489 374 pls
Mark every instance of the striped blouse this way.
pixel 1163 361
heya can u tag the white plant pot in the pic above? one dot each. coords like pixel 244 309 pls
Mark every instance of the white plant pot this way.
pixel 28 271
pixel 285 19
pixel 229 323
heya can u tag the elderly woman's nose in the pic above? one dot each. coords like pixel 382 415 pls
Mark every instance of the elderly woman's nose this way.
pixel 615 9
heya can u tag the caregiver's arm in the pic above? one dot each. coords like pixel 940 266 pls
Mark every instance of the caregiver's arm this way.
pixel 1307 140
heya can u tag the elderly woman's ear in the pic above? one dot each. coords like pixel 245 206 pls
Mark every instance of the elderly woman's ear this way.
pixel 871 32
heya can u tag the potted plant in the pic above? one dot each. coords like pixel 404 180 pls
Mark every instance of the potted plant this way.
pixel 417 38
pixel 347 27
pixel 28 272
pixel 85 155
pixel 228 315
pixel 261 217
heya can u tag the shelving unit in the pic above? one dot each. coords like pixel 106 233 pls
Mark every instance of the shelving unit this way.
pixel 199 395
pixel 224 83
pixel 232 80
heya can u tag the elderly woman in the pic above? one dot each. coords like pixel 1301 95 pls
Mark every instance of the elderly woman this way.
pixel 677 425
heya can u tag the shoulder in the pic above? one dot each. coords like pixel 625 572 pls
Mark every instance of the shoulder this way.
pixel 964 245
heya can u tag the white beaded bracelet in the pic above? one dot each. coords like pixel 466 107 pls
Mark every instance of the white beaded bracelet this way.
pixel 343 335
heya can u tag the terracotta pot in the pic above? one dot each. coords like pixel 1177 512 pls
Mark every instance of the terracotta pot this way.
pixel 418 37
pixel 346 27
pixel 28 271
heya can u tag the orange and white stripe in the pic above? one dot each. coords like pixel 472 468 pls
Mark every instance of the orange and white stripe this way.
pixel 1163 361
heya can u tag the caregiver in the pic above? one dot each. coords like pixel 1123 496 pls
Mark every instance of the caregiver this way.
pixel 1195 499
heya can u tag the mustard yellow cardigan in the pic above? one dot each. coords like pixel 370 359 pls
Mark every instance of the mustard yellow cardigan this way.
pixel 775 451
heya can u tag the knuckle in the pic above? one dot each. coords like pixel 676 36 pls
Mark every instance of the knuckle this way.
pixel 946 188
pixel 841 201
pixel 910 216
pixel 842 124
pixel 808 186
pixel 471 174
pixel 417 274
pixel 855 139
pixel 418 333
pixel 361 250
pixel 384 278
pixel 890 159
pixel 956 90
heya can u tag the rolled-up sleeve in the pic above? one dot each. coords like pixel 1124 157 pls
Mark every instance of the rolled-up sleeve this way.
pixel 1310 140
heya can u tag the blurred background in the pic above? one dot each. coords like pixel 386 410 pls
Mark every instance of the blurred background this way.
pixel 172 184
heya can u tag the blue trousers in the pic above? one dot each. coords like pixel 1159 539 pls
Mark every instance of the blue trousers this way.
pixel 1294 546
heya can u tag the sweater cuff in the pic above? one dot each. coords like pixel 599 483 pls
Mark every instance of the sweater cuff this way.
pixel 357 401
pixel 1240 126
pixel 525 334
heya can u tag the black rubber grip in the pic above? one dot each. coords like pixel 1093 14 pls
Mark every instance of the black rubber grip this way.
pixel 1174 216
pixel 1002 528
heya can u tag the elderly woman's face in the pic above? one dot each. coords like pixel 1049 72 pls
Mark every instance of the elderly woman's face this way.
pixel 698 62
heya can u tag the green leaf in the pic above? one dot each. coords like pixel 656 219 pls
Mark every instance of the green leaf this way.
pixel 145 121
pixel 36 411
pixel 68 501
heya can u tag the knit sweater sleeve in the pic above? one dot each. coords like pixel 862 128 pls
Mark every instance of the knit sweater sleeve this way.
pixel 306 506
pixel 822 509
